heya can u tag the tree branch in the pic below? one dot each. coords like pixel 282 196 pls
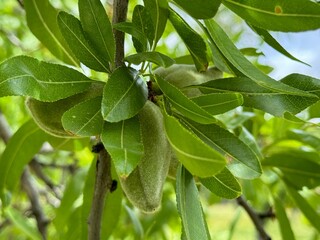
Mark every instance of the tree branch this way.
pixel 254 218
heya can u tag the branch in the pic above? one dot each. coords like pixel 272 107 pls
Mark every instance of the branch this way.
pixel 102 186
pixel 120 8
pixel 254 218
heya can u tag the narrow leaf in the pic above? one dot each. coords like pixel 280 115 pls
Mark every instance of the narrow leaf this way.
pixel 278 15
pixel 244 163
pixel 224 185
pixel 124 95
pixel 155 57
pixel 305 137
pixel 21 148
pixel 97 28
pixel 284 223
pixel 124 143
pixel 183 104
pixel 42 21
pixel 84 119
pixel 189 206
pixel 192 40
pixel 218 103
pixel 228 49
pixel 200 9
pixel 73 33
pixel 310 213
pixel 194 154
pixel 26 76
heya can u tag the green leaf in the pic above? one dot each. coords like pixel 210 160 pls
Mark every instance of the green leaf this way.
pixel 124 143
pixel 192 40
pixel 284 223
pixel 84 119
pixel 244 163
pixel 224 185
pixel 135 32
pixel 42 21
pixel 26 76
pixel 200 9
pixel 310 213
pixel 189 206
pixel 158 10
pixel 193 153
pixel 183 104
pixel 72 192
pixel 234 56
pixel 218 103
pixel 73 33
pixel 267 37
pixel 22 223
pixel 260 97
pixel 155 57
pixel 142 20
pixel 21 148
pixel 124 95
pixel 97 28
pixel 305 137
pixel 297 167
pixel 280 15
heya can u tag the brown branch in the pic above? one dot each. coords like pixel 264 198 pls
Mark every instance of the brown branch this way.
pixel 102 187
pixel 120 8
pixel 254 218
pixel 33 195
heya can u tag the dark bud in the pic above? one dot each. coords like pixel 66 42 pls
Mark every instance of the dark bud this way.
pixel 113 185
pixel 97 148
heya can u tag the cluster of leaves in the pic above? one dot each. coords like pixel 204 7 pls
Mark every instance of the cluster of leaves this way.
pixel 214 135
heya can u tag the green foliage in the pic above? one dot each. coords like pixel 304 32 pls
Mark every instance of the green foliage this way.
pixel 211 116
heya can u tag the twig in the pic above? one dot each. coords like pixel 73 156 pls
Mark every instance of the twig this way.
pixel 254 218
pixel 120 8
pixel 33 195
pixel 102 186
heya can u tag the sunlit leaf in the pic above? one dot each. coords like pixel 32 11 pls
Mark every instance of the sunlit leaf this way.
pixel 26 76
pixel 278 15
pixel 189 206
pixel 73 33
pixel 200 8
pixel 224 184
pixel 124 95
pixel 42 21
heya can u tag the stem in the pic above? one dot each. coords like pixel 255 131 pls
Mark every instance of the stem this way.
pixel 102 187
pixel 120 8
pixel 254 218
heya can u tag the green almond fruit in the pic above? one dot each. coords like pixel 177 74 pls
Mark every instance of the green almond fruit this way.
pixel 143 187
pixel 184 75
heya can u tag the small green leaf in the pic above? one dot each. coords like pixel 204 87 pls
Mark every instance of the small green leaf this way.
pixel 124 95
pixel 310 213
pixel 97 28
pixel 267 37
pixel 124 143
pixel 297 168
pixel 284 223
pixel 235 57
pixel 224 185
pixel 21 148
pixel 244 163
pixel 280 15
pixel 193 220
pixel 218 103
pixel 200 9
pixel 183 104
pixel 155 57
pixel 192 40
pixel 193 153
pixel 84 119
pixel 73 33
pixel 42 21
pixel 22 223
pixel 26 76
